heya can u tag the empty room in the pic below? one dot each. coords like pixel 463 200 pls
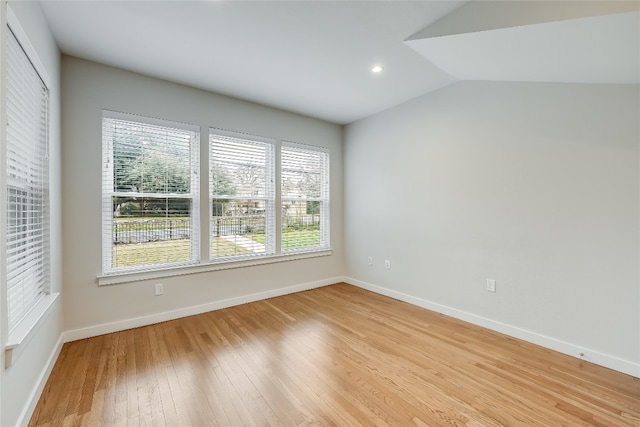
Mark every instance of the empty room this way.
pixel 242 213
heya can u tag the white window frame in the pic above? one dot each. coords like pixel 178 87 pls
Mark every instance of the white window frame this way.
pixel 270 191
pixel 324 201
pixel 108 192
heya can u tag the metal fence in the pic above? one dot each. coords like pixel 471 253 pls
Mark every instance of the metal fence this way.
pixel 161 229
pixel 150 230
pixel 237 225
pixel 300 221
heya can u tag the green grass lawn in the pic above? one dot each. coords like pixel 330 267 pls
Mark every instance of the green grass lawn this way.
pixel 169 251
pixel 295 239
pixel 138 254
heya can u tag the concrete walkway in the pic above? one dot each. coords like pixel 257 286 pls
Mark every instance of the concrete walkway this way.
pixel 245 243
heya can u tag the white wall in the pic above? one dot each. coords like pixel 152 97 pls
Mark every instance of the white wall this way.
pixel 22 382
pixel 533 185
pixel 87 89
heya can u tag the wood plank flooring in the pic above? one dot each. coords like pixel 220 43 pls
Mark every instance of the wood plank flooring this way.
pixel 337 355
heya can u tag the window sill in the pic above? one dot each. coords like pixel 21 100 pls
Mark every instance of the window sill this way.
pixel 112 279
pixel 22 334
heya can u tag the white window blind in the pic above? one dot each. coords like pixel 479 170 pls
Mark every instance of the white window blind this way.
pixel 242 190
pixel 305 197
pixel 27 180
pixel 150 193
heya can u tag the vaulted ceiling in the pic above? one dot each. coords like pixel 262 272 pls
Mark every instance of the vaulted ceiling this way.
pixel 315 57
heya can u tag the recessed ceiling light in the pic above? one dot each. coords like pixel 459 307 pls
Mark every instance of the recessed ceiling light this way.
pixel 377 69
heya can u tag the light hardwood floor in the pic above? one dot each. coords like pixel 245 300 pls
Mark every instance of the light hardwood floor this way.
pixel 337 355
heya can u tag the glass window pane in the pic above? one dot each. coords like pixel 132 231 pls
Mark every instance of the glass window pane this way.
pixel 300 225
pixel 305 197
pixel 150 194
pixel 238 227
pixel 241 172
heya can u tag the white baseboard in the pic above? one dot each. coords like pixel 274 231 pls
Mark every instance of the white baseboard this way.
pixel 121 325
pixel 606 360
pixel 34 396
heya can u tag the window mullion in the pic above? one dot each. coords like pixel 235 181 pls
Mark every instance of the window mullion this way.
pixel 205 198
pixel 278 200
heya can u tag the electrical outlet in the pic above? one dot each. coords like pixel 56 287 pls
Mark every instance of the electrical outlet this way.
pixel 370 260
pixel 491 285
pixel 159 289
pixel 387 264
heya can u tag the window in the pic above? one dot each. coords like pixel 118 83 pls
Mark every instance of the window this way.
pixel 150 193
pixel 242 189
pixel 27 181
pixel 305 197
pixel 151 207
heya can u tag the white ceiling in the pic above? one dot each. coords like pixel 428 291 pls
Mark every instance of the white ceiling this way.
pixel 311 57
pixel 314 57
pixel 599 49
